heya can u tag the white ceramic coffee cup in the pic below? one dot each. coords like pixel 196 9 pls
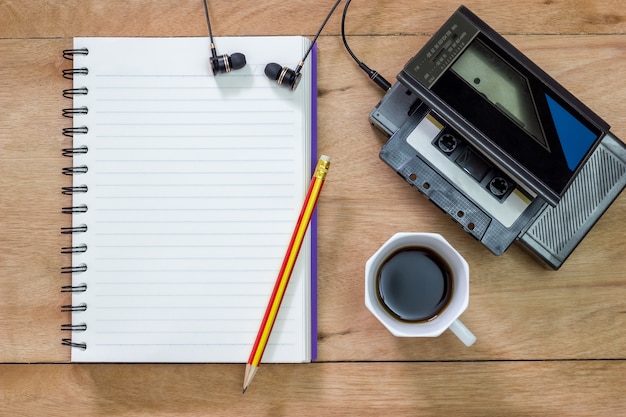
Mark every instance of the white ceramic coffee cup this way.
pixel 448 317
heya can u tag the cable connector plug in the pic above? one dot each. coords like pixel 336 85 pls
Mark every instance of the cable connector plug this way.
pixel 376 77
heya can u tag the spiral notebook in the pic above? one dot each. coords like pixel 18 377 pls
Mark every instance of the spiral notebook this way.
pixel 186 188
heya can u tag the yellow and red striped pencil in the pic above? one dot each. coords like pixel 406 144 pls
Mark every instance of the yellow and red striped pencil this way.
pixel 286 269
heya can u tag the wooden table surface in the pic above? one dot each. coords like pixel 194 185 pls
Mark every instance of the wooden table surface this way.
pixel 549 343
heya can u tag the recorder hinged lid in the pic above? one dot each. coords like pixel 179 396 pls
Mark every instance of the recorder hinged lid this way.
pixel 509 109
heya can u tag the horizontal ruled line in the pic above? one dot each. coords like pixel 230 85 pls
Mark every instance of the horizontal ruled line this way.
pixel 180 295
pixel 197 148
pixel 194 234
pixel 116 185
pixel 187 344
pixel 221 246
pixel 174 100
pixel 249 124
pixel 208 161
pixel 161 222
pixel 176 320
pixel 154 271
pixel 200 246
pixel 185 332
pixel 178 137
pixel 194 197
pixel 194 258
pixel 252 210
pixel 159 87
pixel 247 307
pixel 191 112
pixel 177 76
pixel 126 283
pixel 101 75
pixel 191 172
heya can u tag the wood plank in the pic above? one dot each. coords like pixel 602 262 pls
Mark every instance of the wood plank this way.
pixel 425 389
pixel 66 18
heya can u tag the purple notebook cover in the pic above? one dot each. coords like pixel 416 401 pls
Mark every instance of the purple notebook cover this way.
pixel 314 219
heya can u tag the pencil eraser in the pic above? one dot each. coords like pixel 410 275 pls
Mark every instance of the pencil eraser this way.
pixel 325 158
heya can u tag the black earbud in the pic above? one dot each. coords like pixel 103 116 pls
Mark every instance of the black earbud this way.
pixel 288 77
pixel 223 63
pixel 283 75
pixel 226 63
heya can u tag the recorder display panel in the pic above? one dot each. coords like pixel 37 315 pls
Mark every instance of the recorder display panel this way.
pixel 519 115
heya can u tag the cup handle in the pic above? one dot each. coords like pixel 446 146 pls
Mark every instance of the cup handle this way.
pixel 463 333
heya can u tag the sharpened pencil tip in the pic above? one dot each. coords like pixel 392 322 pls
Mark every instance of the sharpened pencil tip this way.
pixel 244 390
pixel 250 372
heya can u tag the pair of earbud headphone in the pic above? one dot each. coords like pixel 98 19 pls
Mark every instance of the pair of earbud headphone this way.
pixel 221 64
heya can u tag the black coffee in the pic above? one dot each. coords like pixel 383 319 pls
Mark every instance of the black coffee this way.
pixel 414 284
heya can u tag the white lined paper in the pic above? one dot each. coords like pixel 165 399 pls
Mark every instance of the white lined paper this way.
pixel 195 182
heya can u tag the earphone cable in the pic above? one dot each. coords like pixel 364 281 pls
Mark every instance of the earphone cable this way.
pixel 208 21
pixel 301 64
pixel 374 75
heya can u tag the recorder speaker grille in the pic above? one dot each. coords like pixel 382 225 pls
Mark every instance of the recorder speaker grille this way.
pixel 559 229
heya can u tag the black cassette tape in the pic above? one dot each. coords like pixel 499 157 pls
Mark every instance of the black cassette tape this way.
pixel 499 145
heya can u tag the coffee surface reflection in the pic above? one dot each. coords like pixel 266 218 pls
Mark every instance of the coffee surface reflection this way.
pixel 414 284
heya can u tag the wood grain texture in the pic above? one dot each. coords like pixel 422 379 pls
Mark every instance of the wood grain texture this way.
pixel 63 18
pixel 320 389
pixel 549 343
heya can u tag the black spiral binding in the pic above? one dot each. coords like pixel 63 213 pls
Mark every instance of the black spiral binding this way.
pixel 71 92
pixel 78 130
pixel 79 307
pixel 69 53
pixel 74 268
pixel 82 208
pixel 75 111
pixel 82 169
pixel 68 342
pixel 74 190
pixel 75 229
pixel 71 132
pixel 69 73
pixel 74 288
pixel 70 152
pixel 82 248
pixel 74 327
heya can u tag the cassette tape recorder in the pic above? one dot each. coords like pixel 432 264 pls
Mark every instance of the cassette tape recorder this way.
pixel 499 145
